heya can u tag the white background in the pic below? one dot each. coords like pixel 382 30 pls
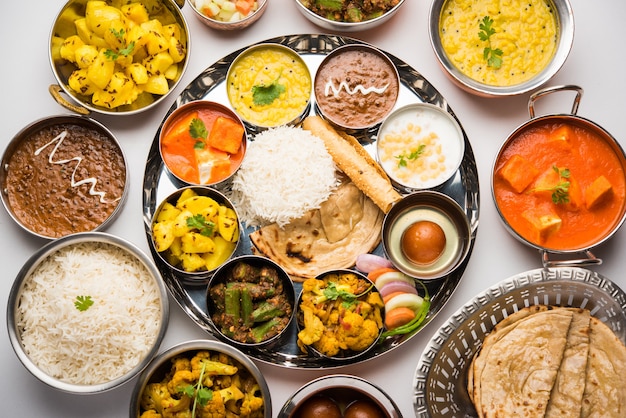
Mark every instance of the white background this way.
pixel 596 63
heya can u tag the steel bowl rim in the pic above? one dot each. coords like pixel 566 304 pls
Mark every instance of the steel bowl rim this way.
pixel 33 262
pixel 44 122
pixel 566 25
pixel 90 107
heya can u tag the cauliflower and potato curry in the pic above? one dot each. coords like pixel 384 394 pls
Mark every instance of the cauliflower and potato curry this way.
pixel 339 314
pixel 203 384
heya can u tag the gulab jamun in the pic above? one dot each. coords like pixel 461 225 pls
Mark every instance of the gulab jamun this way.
pixel 423 242
pixel 318 406
pixel 363 409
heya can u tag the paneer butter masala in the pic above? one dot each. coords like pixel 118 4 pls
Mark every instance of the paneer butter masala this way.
pixel 560 185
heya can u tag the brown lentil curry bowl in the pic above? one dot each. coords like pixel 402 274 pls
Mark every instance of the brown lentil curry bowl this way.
pixel 62 175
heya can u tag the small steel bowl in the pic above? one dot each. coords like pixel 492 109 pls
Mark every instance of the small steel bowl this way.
pixel 421 134
pixel 202 273
pixel 182 117
pixel 343 354
pixel 346 26
pixel 436 207
pixel 76 193
pixel 260 66
pixel 217 305
pixel 72 16
pixel 17 327
pixel 356 87
pixel 562 12
pixel 342 390
pixel 237 24
pixel 162 364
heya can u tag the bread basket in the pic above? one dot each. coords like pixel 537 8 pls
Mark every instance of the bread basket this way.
pixel 440 384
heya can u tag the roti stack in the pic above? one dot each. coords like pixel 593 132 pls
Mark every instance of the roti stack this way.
pixel 545 361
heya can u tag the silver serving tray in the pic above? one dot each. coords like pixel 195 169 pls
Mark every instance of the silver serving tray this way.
pixel 157 185
pixel 440 384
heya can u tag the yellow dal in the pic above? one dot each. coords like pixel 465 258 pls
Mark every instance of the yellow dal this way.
pixel 263 66
pixel 526 32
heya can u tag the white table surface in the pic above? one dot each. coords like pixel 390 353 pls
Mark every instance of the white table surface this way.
pixel 596 63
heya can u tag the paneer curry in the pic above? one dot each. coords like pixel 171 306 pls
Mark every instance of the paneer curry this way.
pixel 560 185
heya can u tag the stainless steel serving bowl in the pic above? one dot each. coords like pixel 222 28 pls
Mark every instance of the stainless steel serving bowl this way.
pixel 230 25
pixel 22 280
pixel 346 26
pixel 157 369
pixel 65 25
pixel 342 389
pixel 564 16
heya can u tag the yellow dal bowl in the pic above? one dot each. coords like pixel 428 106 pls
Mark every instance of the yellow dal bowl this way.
pixel 531 39
pixel 269 85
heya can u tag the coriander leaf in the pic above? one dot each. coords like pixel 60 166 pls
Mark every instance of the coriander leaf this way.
pixel 126 51
pixel 82 303
pixel 198 392
pixel 491 55
pixel 265 94
pixel 197 129
pixel 414 155
pixel 560 191
pixel 201 224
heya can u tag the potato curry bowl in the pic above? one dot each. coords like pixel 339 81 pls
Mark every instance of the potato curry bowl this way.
pixel 117 57
pixel 211 378
pixel 251 301
pixel 194 231
pixel 340 315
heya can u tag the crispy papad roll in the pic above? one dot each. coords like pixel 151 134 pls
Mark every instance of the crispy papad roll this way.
pixel 355 162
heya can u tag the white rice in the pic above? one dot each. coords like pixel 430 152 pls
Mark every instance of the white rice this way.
pixel 286 172
pixel 102 342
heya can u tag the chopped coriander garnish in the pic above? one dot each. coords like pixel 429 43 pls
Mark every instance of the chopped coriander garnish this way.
pixel 412 156
pixel 493 56
pixel 560 191
pixel 197 130
pixel 82 303
pixel 265 94
pixel 126 51
pixel 199 222
pixel 198 392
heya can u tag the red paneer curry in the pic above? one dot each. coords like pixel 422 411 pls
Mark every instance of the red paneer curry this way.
pixel 560 185
pixel 203 145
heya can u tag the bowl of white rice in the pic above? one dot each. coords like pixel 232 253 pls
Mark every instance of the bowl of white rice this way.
pixel 87 313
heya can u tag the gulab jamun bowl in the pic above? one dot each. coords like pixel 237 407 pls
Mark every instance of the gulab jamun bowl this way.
pixel 251 302
pixel 426 235
pixel 340 396
pixel 202 143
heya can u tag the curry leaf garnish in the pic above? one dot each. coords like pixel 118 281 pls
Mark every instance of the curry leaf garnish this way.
pixel 126 51
pixel 197 130
pixel 201 224
pixel 265 94
pixel 198 392
pixel 82 303
pixel 413 155
pixel 493 56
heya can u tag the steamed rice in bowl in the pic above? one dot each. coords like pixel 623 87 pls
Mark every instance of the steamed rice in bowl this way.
pixel 87 313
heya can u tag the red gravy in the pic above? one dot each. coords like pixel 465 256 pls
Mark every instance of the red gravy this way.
pixel 356 88
pixel 65 178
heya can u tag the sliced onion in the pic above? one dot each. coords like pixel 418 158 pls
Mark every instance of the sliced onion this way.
pixel 392 276
pixel 408 300
pixel 396 286
pixel 370 262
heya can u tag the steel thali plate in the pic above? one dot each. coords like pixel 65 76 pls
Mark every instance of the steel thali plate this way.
pixel 210 85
